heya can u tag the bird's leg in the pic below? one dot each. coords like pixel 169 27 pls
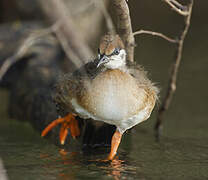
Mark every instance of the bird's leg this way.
pixel 67 122
pixel 116 139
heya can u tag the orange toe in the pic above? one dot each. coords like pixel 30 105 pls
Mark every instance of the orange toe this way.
pixel 74 128
pixel 63 133
pixel 67 122
pixel 51 126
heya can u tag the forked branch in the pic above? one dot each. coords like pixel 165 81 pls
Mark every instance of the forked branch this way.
pixel 173 77
pixel 179 8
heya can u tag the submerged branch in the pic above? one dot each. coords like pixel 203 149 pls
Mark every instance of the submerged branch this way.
pixel 3 173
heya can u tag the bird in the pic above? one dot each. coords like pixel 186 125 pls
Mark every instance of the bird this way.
pixel 108 89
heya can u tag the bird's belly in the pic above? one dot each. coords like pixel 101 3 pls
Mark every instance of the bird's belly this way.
pixel 114 105
pixel 114 99
pixel 114 116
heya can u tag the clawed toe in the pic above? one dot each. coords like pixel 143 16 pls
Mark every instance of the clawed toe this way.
pixel 67 122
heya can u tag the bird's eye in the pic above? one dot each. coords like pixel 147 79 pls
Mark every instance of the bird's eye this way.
pixel 116 51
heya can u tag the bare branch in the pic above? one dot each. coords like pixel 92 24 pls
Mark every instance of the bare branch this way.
pixel 67 49
pixel 155 34
pixel 73 45
pixel 124 26
pixel 172 82
pixel 176 6
pixel 179 5
pixel 56 10
pixel 24 47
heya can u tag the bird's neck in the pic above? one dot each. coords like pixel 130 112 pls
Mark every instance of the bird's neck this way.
pixel 116 65
pixel 121 68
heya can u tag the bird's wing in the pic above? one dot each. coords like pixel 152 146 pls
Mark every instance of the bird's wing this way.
pixel 140 75
pixel 71 84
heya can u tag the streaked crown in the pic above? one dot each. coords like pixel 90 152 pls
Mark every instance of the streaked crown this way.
pixel 109 43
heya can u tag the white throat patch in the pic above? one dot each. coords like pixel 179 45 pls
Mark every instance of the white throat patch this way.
pixel 117 61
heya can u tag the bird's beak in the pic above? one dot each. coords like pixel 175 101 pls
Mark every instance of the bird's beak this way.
pixel 103 59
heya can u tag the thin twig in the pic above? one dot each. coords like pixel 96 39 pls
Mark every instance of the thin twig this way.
pixel 179 5
pixel 155 34
pixel 24 47
pixel 124 26
pixel 179 8
pixel 67 49
pixel 173 77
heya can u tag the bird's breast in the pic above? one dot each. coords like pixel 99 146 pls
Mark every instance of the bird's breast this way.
pixel 113 96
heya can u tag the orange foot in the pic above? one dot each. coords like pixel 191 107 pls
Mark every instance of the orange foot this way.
pixel 67 122
pixel 116 139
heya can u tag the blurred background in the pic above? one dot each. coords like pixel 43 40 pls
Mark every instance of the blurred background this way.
pixel 181 153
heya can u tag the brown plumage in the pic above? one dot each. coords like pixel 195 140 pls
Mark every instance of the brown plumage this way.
pixel 108 90
pixel 109 42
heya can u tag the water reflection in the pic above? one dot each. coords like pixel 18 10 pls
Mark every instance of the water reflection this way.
pixel 75 165
pixel 117 168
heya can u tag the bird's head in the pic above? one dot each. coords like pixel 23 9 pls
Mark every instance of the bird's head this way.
pixel 111 52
